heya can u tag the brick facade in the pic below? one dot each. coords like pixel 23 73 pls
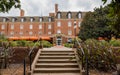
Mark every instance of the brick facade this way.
pixel 58 24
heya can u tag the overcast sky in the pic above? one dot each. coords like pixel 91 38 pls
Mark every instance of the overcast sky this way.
pixel 44 7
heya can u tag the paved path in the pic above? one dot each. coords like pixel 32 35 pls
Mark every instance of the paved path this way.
pixel 57 48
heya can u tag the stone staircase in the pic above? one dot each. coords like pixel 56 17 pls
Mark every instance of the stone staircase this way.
pixel 55 62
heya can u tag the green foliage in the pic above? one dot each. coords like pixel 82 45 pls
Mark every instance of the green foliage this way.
pixel 6 5
pixel 99 53
pixel 69 45
pixel 46 44
pixel 95 24
pixel 115 43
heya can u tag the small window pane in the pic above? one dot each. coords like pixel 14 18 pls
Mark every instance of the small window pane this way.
pixel 69 24
pixel 30 33
pixel 4 19
pixel 40 19
pixel 21 26
pixel 79 15
pixel 40 26
pixel 3 27
pixel 22 19
pixel 31 26
pixel 58 31
pixel 12 26
pixel 49 26
pixel 49 33
pixel 49 19
pixel 69 15
pixel 59 16
pixel 69 32
pixel 58 24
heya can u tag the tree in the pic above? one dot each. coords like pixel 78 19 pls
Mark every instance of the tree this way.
pixel 95 24
pixel 115 15
pixel 6 5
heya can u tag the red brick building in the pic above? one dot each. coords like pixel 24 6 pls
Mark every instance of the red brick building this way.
pixel 57 27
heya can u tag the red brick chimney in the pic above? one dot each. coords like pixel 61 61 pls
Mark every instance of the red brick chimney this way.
pixel 22 12
pixel 56 8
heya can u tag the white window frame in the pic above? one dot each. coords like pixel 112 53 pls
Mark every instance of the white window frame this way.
pixel 58 31
pixel 79 15
pixel 69 23
pixel 79 24
pixel 11 33
pixel 12 26
pixel 13 19
pixel 49 32
pixel 2 26
pixel 69 32
pixel 58 24
pixel 49 26
pixel 31 19
pixel 69 16
pixel 30 33
pixel 21 26
pixel 31 26
pixel 49 19
pixel 4 19
pixel 22 19
pixel 40 26
pixel 59 16
pixel 40 19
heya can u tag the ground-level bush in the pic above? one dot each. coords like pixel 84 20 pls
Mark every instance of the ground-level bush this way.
pixel 99 54
pixel 46 44
pixel 69 45
pixel 115 43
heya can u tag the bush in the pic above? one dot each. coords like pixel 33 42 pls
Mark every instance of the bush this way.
pixel 68 45
pixel 46 44
pixel 99 53
pixel 115 42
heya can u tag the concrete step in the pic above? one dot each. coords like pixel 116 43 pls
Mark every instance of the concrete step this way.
pixel 55 51
pixel 56 70
pixel 52 54
pixel 56 65
pixel 56 74
pixel 56 57
pixel 56 61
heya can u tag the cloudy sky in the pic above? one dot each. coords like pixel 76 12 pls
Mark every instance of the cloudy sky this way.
pixel 43 7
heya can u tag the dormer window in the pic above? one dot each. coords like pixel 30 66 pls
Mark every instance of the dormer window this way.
pixel 49 19
pixel 40 19
pixel 59 16
pixel 69 16
pixel 79 15
pixel 13 19
pixel 4 19
pixel 22 19
pixel 31 19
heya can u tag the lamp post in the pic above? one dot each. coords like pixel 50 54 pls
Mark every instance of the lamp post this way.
pixel 75 26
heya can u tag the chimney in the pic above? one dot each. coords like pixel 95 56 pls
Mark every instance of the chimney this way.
pixel 56 8
pixel 21 12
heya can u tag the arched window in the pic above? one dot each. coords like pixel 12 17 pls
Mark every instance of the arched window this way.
pixel 59 16
pixel 79 15
pixel 69 16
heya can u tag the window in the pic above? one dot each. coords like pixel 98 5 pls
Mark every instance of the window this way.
pixel 49 32
pixel 31 19
pixel 13 19
pixel 79 15
pixel 21 33
pixel 49 26
pixel 58 16
pixel 40 19
pixel 40 32
pixel 69 15
pixel 22 19
pixel 4 19
pixel 40 26
pixel 2 32
pixel 69 40
pixel 31 26
pixel 58 31
pixel 3 26
pixel 59 24
pixel 69 24
pixel 21 26
pixel 30 33
pixel 69 32
pixel 49 19
pixel 12 26
pixel 79 24
pixel 11 33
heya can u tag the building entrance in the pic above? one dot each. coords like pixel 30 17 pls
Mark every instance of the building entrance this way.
pixel 59 41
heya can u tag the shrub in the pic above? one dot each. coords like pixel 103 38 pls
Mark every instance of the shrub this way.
pixel 69 45
pixel 99 53
pixel 115 42
pixel 46 44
